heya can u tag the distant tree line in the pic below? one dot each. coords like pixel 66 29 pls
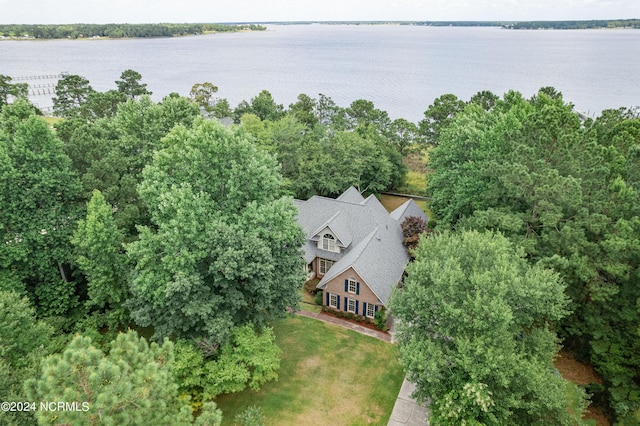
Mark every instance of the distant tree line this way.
pixel 74 31
pixel 574 25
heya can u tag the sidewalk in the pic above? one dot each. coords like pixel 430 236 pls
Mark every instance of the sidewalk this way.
pixel 406 411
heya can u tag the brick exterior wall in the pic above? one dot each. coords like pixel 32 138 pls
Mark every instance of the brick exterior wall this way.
pixel 363 297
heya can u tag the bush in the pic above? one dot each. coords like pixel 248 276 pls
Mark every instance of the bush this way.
pixel 318 298
pixel 251 416
pixel 350 316
pixel 380 319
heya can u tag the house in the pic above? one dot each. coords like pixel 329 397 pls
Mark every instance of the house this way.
pixel 354 246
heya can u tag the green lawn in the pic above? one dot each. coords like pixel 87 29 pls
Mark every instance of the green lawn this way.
pixel 328 376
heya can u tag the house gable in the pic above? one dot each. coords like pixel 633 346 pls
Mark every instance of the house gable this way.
pixel 347 291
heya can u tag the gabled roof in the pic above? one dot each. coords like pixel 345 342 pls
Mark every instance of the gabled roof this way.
pixel 351 195
pixel 407 209
pixel 339 228
pixel 375 250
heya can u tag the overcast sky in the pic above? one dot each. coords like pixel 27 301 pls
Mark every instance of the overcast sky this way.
pixel 137 11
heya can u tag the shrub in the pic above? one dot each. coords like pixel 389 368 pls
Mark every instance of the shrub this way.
pixel 318 298
pixel 380 319
pixel 251 416
pixel 350 316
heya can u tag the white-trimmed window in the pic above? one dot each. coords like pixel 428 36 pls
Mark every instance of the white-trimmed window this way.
pixel 351 305
pixel 333 300
pixel 371 310
pixel 353 285
pixel 324 265
pixel 328 242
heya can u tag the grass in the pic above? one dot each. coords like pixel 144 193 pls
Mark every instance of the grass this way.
pixel 579 374
pixel 308 302
pixel 328 376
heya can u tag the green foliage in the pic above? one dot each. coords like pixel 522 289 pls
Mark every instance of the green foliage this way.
pixel 23 341
pixel 129 84
pixel 475 332
pixel 132 385
pixel 249 359
pixel 566 191
pixel 110 153
pixel 224 249
pixel 438 116
pixel 100 255
pixel 120 30
pixel 380 319
pixel 72 91
pixel 202 94
pixel 251 416
pixel 39 196
pixel 11 90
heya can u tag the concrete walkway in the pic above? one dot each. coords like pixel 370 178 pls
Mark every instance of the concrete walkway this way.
pixel 406 410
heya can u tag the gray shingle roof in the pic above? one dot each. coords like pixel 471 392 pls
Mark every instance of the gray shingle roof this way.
pixel 351 195
pixel 375 251
pixel 407 209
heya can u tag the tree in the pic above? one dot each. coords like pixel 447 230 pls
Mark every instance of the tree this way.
pixel 438 116
pixel 202 94
pixel 222 109
pixel 72 91
pixel 7 89
pixel 249 359
pixel 305 110
pixel 412 228
pixel 134 384
pixel 262 105
pixel 129 84
pixel 23 341
pixel 486 99
pixel 100 255
pixel 475 335
pixel 564 190
pixel 224 249
pixel 39 206
pixel 404 135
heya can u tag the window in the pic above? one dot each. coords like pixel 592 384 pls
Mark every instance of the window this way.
pixel 371 310
pixel 333 300
pixel 353 286
pixel 328 242
pixel 351 305
pixel 324 265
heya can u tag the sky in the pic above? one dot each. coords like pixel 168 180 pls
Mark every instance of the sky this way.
pixel 153 11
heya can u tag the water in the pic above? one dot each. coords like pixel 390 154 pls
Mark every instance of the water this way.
pixel 402 69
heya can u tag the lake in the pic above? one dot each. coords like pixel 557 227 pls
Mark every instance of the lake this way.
pixel 401 68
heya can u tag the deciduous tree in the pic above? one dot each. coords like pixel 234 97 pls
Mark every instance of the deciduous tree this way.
pixel 475 332
pixel 224 249
pixel 39 206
